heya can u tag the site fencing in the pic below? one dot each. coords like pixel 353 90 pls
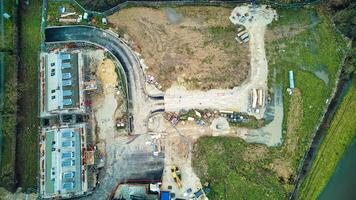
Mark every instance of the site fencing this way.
pixel 128 4
pixel 1 100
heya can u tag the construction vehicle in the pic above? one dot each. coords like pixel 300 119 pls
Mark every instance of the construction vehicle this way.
pixel 205 190
pixel 176 175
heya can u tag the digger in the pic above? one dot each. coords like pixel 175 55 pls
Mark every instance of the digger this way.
pixel 176 175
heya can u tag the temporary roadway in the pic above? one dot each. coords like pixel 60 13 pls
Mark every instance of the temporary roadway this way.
pixel 140 105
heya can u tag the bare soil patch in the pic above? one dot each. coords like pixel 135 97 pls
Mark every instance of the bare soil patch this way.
pixel 255 153
pixel 283 169
pixel 283 32
pixel 293 121
pixel 190 46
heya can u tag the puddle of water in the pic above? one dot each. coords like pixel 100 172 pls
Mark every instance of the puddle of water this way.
pixel 323 75
pixel 319 71
pixel 314 18
pixel 173 16
pixel 271 134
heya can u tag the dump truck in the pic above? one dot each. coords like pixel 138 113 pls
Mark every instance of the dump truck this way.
pixel 176 176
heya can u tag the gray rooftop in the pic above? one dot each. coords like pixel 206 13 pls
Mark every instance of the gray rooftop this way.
pixel 63 162
pixel 61 82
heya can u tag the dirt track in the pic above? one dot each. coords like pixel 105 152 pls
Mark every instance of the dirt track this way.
pixel 178 98
pixel 190 46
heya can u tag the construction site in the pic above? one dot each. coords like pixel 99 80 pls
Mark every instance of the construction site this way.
pixel 84 125
pixel 115 124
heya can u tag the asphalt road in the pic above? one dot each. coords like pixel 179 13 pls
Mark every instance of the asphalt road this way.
pixel 134 74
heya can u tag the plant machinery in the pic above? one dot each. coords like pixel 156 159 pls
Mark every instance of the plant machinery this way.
pixel 176 175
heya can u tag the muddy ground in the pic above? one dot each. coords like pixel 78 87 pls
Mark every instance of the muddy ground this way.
pixel 190 46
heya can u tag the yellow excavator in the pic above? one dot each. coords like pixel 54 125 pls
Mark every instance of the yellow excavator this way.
pixel 176 175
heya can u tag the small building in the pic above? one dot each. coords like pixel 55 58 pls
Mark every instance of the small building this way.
pixel 104 21
pixel 6 15
pixel 137 191
pixel 243 36
pixel 165 195
pixel 85 16
pixel 68 20
pixel 62 9
pixel 291 79
pixel 241 33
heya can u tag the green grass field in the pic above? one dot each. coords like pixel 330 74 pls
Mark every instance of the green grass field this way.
pixel 27 140
pixel 224 163
pixel 53 11
pixel 303 41
pixel 341 134
pixel 9 123
pixel 9 110
pixel 53 15
pixel 316 48
pixel 7 45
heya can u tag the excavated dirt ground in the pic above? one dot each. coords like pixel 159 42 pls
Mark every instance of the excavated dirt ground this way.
pixel 177 144
pixel 190 46
pixel 105 104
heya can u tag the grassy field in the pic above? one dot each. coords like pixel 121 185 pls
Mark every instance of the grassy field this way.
pixel 98 5
pixel 27 141
pixel 341 134
pixel 236 170
pixel 310 47
pixel 9 123
pixel 302 41
pixel 53 15
pixel 53 12
pixel 9 110
pixel 7 45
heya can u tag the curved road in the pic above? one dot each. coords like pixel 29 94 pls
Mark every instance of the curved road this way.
pixel 138 102
pixel 131 161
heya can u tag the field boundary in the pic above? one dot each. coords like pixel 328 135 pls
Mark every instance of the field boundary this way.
pixel 11 145
pixel 128 4
pixel 314 142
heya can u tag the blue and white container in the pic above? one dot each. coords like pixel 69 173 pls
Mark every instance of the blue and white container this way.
pixel 291 79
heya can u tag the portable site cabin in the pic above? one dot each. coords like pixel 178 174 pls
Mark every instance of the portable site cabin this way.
pixel 291 79
pixel 245 35
pixel 85 16
pixel 241 33
pixel 6 15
